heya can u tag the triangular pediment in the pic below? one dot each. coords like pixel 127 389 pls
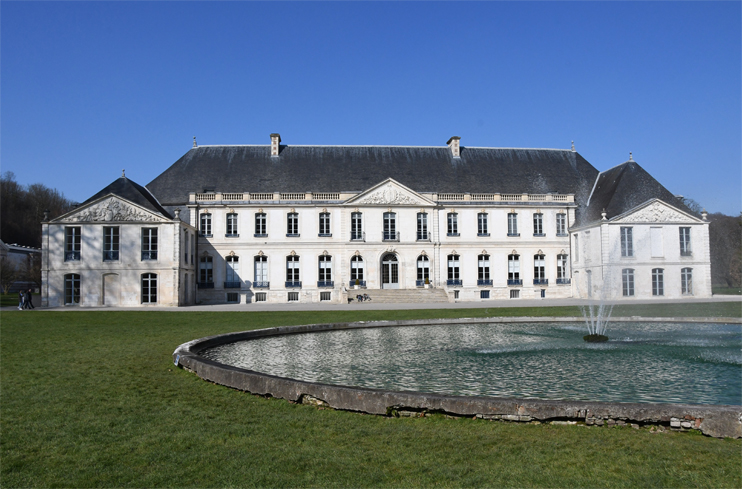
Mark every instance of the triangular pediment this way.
pixel 111 208
pixel 655 211
pixel 389 192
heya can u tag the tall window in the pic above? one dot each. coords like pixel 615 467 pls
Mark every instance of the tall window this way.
pixel 356 226
pixel 72 236
pixel 453 224
pixel 423 269
pixel 686 281
pixel 186 247
pixel 658 281
pixel 261 271
pixel 232 225
pixel 206 270
pixel 325 269
pixel 390 226
pixel 561 224
pixel 484 267
pixel 577 248
pixel 205 225
pixel 292 224
pixel 149 244
pixel 422 226
pixel 324 224
pixel 453 268
pixel 627 242
pixel 539 267
pixel 561 267
pixel 356 269
pixel 513 267
pixel 261 230
pixel 71 289
pixel 482 224
pixel 685 242
pixel 149 288
pixel 233 271
pixel 292 269
pixel 627 282
pixel 513 224
pixel 110 243
pixel 538 224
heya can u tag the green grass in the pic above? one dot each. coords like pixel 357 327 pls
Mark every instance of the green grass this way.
pixel 9 300
pixel 727 290
pixel 91 399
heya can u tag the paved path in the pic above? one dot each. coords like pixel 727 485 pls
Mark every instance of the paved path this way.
pixel 383 306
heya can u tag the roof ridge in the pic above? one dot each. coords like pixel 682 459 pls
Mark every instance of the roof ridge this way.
pixel 369 146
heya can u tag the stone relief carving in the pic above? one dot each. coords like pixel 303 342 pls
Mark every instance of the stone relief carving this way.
pixel 110 210
pixel 657 212
pixel 388 195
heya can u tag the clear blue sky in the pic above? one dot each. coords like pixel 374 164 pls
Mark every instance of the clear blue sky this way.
pixel 91 88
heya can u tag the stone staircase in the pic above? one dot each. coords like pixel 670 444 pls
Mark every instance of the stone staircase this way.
pixel 402 296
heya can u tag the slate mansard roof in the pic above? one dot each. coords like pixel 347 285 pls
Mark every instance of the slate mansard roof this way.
pixel 251 168
pixel 133 192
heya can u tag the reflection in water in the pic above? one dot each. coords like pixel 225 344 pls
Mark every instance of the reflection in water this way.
pixel 643 362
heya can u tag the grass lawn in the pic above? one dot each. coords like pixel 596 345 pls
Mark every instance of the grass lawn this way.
pixel 727 290
pixel 91 399
pixel 9 300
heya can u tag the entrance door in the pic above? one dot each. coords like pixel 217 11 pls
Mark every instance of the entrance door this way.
pixel 389 272
pixel 111 289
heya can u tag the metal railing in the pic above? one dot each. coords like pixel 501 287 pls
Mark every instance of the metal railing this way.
pixel 421 283
pixel 564 281
pixel 110 255
pixel 454 282
pixel 149 255
pixel 361 283
pixel 358 236
pixel 261 285
pixel 485 281
pixel 387 236
pixel 71 256
pixel 293 285
pixel 515 281
pixel 232 285
pixel 540 281
pixel 423 237
pixel 325 283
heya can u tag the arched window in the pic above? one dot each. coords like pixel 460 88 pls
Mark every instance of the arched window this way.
pixel 71 289
pixel 149 288
pixel 356 270
pixel 233 272
pixel 423 270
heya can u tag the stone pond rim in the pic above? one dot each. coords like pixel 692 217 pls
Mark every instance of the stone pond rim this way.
pixel 595 338
pixel 713 420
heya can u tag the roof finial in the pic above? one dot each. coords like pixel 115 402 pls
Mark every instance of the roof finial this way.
pixel 194 142
pixel 573 145
pixel 631 158
pixel 123 173
pixel 604 215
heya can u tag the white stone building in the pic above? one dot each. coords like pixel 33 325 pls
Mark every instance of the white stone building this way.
pixel 281 223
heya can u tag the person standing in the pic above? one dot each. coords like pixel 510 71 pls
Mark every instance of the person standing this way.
pixel 29 299
pixel 21 300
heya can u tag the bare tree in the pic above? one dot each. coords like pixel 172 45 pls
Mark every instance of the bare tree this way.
pixel 9 273
pixel 725 242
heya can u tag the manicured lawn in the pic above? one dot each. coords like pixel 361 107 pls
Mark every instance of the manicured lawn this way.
pixel 727 290
pixel 8 300
pixel 91 399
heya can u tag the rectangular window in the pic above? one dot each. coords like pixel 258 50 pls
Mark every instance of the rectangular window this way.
pixel 233 297
pixel 261 297
pixel 292 269
pixel 261 231
pixel 513 267
pixel 538 224
pixel 185 260
pixel 233 272
pixel 423 269
pixel 390 227
pixel 655 237
pixel 71 289
pixel 627 282
pixel 561 267
pixel 292 225
pixel 686 281
pixel 539 267
pixel 356 226
pixel 356 269
pixel 261 271
pixel 149 288
pixel 110 243
pixel 685 249
pixel 232 225
pixel 484 294
pixel 483 267
pixel 72 235
pixel 206 270
pixel 149 244
pixel 324 224
pixel 577 248
pixel 422 226
pixel 514 293
pixel 293 297
pixel 453 224
pixel 205 225
pixel 561 224
pixel 325 296
pixel 658 281
pixel 513 224
pixel 482 224
pixel 325 269
pixel 627 242
pixel 453 268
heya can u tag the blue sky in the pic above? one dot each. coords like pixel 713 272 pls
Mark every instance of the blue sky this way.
pixel 90 88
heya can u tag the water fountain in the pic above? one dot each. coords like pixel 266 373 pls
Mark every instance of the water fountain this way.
pixel 596 315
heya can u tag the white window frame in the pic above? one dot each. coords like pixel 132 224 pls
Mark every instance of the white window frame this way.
pixel 627 282
pixel 686 281
pixel 658 282
pixel 513 224
pixel 357 268
pixel 422 226
pixel 149 292
pixel 292 225
pixel 206 269
pixel 483 224
pixel 261 227
pixel 538 224
pixel 685 248
pixel 561 224
pixel 72 289
pixel 111 243
pixel 356 226
pixel 454 267
pixel 325 268
pixel 483 267
pixel 232 264
pixel 627 241
pixel 232 229
pixel 72 243
pixel 324 224
pixel 539 267
pixel 293 269
pixel 453 224
pixel 149 244
pixel 205 220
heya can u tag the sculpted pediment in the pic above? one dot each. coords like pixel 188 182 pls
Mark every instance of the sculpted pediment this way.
pixel 390 192
pixel 656 211
pixel 111 209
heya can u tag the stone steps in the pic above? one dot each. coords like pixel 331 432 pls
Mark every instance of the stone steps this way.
pixel 402 296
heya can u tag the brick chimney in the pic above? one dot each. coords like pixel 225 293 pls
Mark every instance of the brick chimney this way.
pixel 453 144
pixel 275 144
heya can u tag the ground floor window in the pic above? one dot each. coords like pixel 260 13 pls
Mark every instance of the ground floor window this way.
pixel 71 289
pixel 293 297
pixel 261 297
pixel 514 293
pixel 686 280
pixel 658 281
pixel 233 297
pixel 325 296
pixel 627 282
pixel 484 294
pixel 149 288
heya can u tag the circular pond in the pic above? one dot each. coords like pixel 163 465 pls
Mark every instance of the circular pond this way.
pixel 643 362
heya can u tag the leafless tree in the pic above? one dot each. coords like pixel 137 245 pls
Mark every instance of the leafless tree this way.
pixel 9 273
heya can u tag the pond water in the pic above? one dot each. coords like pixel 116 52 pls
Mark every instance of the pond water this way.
pixel 643 362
